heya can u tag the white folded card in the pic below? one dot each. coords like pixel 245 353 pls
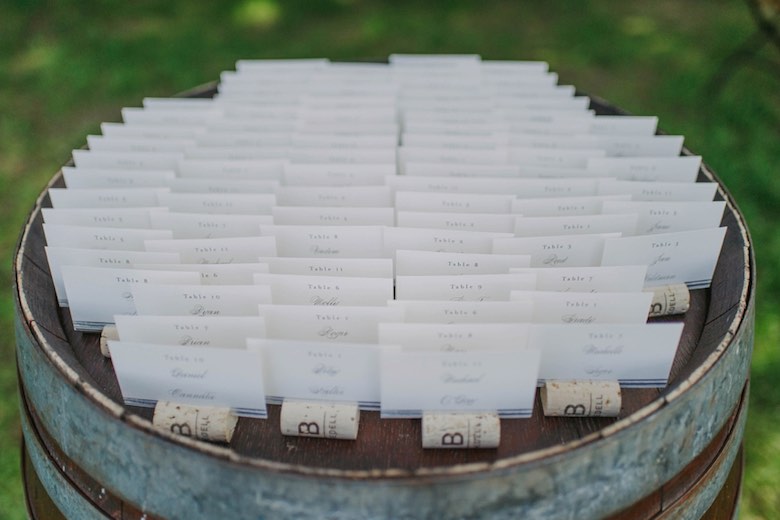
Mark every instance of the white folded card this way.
pixel 634 355
pixel 99 143
pixel 106 198
pixel 648 169
pixel 240 169
pixel 155 130
pixel 558 251
pixel 529 188
pixel 290 289
pixel 417 263
pixel 361 267
pixel 553 158
pixel 215 274
pixel 455 337
pixel 327 241
pixel 617 278
pixel 319 371
pixel 430 311
pixel 685 257
pixel 440 240
pixel 460 221
pixel 216 250
pixel 452 202
pixel 563 206
pixel 238 153
pixel 624 223
pixel 347 141
pixel 356 196
pixel 104 178
pixel 96 294
pixel 475 287
pixel 61 256
pixel 669 217
pixel 190 331
pixel 230 203
pixel 333 216
pixel 126 160
pixel 139 218
pixel 87 237
pixel 660 191
pixel 579 308
pixel 337 174
pixel 430 169
pixel 149 373
pixel 342 155
pixel 220 185
pixel 348 324
pixel 207 225
pixel 199 300
pixel 500 381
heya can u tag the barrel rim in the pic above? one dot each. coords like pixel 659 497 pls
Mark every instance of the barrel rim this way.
pixel 226 454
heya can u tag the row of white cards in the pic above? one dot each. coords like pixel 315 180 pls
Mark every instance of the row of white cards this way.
pixel 439 233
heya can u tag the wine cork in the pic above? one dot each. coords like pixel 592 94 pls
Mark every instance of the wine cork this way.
pixel 581 398
pixel 670 299
pixel 320 419
pixel 461 430
pixel 206 423
pixel 109 333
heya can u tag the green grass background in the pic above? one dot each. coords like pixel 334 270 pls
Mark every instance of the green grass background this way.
pixel 66 66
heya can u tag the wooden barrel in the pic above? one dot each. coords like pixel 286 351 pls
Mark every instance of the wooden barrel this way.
pixel 672 452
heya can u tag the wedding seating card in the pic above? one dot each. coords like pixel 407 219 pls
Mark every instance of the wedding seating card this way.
pixel 333 216
pixel 439 240
pixel 624 223
pixel 190 331
pixel 660 191
pixel 586 307
pixel 485 185
pixel 563 206
pixel 231 203
pixel 215 274
pixel 216 250
pixel 647 169
pixel 337 174
pixel 126 160
pixel 634 355
pixel 326 290
pixel 96 294
pixel 88 178
pixel 360 267
pixel 321 371
pixel 685 257
pixel 199 300
pixel 87 237
pixel 99 143
pixel 464 221
pixel 452 202
pixel 558 251
pixel 433 263
pixel 355 196
pixel 224 186
pixel 616 278
pixel 208 225
pixel 502 381
pixel 106 198
pixel 348 324
pixel 139 218
pixel 231 169
pixel 148 373
pixel 476 287
pixel 430 311
pixel 326 241
pixel 455 337
pixel 669 217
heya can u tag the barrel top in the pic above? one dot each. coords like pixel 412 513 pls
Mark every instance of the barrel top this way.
pixel 391 448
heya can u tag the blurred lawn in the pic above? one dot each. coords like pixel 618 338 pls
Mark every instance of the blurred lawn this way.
pixel 66 66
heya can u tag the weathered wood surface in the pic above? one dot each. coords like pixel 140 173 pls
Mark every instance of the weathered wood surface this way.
pixel 544 466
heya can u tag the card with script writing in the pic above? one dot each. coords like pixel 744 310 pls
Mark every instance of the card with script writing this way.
pixel 218 185
pixel 475 287
pixel 438 311
pixel 288 289
pixel 333 216
pixel 647 169
pixel 327 241
pixel 613 278
pixel 431 263
pixel 586 307
pixel 204 225
pixel 453 202
pixel 669 217
pixel 623 223
pixel 489 222
pixel 439 240
pixel 562 206
pixel 686 257
pixel 206 376
pixel 236 169
pixel 126 160
pixel 87 237
pixel 337 174
pixel 62 198
pixel 190 331
pixel 660 191
pixel 199 300
pixel 529 188
pixel 223 203
pixel 230 250
pixel 361 267
pixel 104 178
pixel 353 196
pixel 558 251
pixel 455 337
pixel 348 324
pixel 139 218
pixel 498 380
pixel 215 274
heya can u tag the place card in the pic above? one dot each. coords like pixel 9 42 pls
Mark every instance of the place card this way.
pixel 87 178
pixel 455 337
pixel 238 153
pixel 215 274
pixel 429 169
pixel 328 291
pixel 558 251
pixel 139 218
pixel 476 287
pixel 439 240
pixel 563 206
pixel 337 174
pixel 148 373
pixel 190 331
pixel 530 188
pixel 553 158
pixel 223 186
pixel 99 143
pixel 87 237
pixel 96 294
pixel 333 216
pixel 126 160
pixel 660 191
pixel 106 198
pixel 354 196
pixel 586 307
pixel 342 155
pixel 150 131
pixel 634 355
pixel 615 278
pixel 501 381
pixel 61 256
pixel 237 169
pixel 208 225
pixel 624 223
pixel 419 263
pixel 647 169
pixel 199 300
pixel 327 241
pixel 348 324
pixel 231 203
pixel 360 267
pixel 438 311
pixel 452 202
pixel 669 217
pixel 319 371
pixel 232 250
pixel 685 257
